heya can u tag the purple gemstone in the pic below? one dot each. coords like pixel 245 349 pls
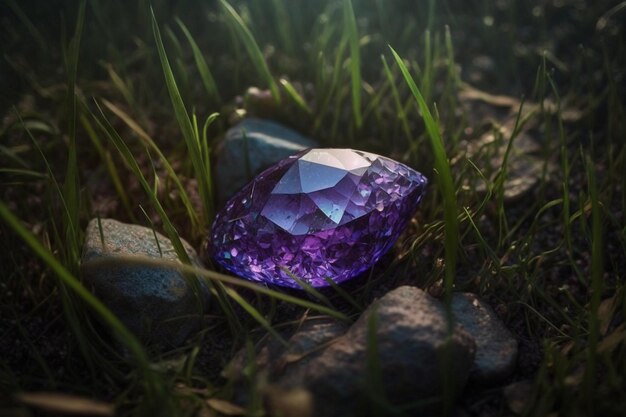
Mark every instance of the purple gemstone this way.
pixel 322 213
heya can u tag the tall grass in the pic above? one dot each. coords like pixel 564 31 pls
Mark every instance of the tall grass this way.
pixel 151 145
pixel 107 159
pixel 203 69
pixel 192 140
pixel 597 272
pixel 239 27
pixel 71 187
pixel 225 279
pixel 445 184
pixel 355 60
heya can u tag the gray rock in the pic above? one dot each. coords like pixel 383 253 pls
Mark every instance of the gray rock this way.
pixel 158 304
pixel 305 343
pixel 308 343
pixel 250 147
pixel 411 345
pixel 496 348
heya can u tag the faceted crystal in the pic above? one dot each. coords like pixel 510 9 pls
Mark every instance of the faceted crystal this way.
pixel 321 214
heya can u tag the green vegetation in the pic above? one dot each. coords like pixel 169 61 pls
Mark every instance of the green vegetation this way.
pixel 103 116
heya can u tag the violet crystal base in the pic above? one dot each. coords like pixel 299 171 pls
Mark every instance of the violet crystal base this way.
pixel 322 214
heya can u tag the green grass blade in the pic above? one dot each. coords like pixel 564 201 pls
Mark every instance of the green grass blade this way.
pixel 597 273
pixel 203 68
pixel 284 24
pixel 246 37
pixel 131 162
pixel 444 179
pixel 453 76
pixel 431 14
pixel 121 86
pixel 105 155
pixel 184 196
pixel 344 294
pixel 168 226
pixel 206 148
pixel 294 95
pixel 186 126
pixel 483 243
pixel 254 313
pixel 355 59
pixel 224 279
pixel 396 98
pixel 180 68
pixel 23 172
pixel 446 187
pixel 428 72
pixel 12 155
pixel 332 87
pixel 71 187
pixel 53 180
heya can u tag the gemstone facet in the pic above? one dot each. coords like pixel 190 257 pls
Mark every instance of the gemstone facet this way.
pixel 321 214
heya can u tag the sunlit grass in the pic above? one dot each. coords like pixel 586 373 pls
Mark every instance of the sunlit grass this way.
pixel 190 135
pixel 445 181
pixel 255 54
pixel 355 60
pixel 201 64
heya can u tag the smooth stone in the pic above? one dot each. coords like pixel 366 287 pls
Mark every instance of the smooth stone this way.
pixel 157 304
pixel 411 341
pixel 496 348
pixel 267 143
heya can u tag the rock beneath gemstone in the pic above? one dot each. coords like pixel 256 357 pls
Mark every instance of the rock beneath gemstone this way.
pixel 496 348
pixel 158 304
pixel 250 147
pixel 322 214
pixel 401 345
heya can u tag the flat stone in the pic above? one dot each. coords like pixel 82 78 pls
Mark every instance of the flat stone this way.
pixel 496 348
pixel 158 304
pixel 411 339
pixel 250 147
